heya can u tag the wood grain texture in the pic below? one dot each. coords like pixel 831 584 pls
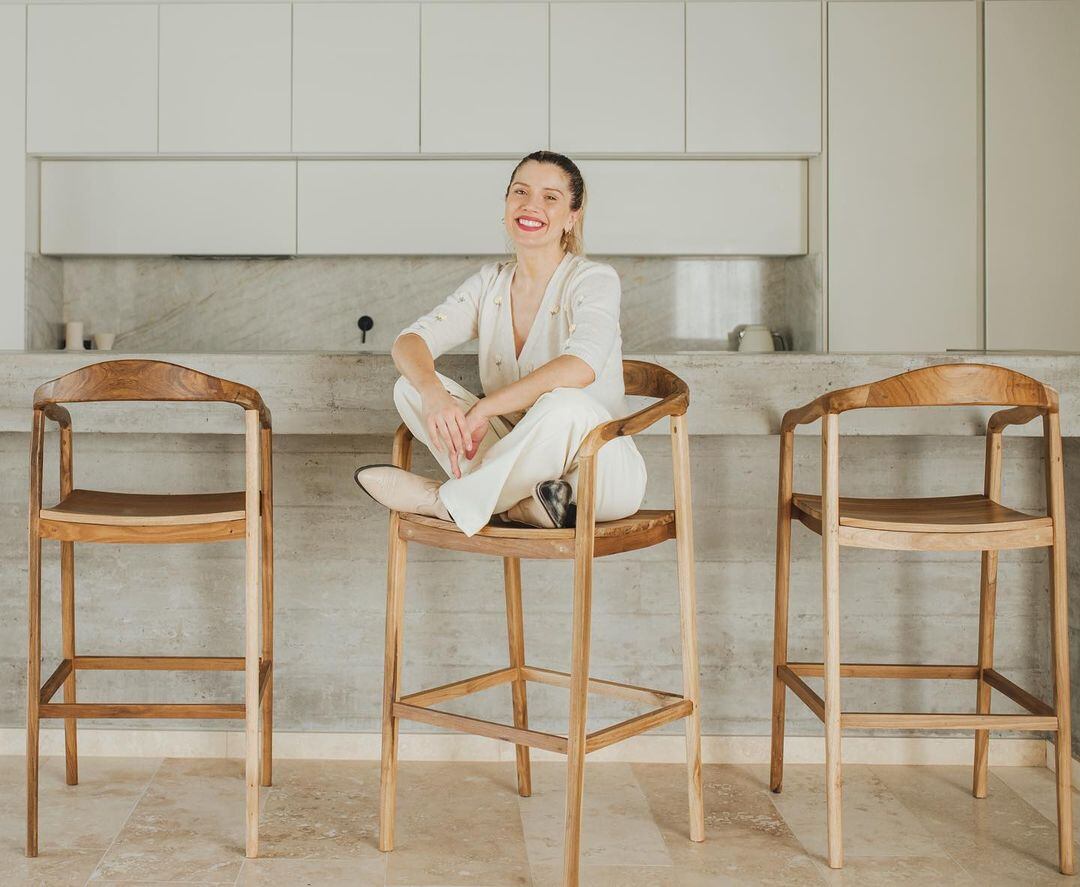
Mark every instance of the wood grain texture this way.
pixel 988 570
pixel 1059 639
pixel 687 580
pixel 583 543
pixel 515 635
pixel 953 384
pixel 33 663
pixel 146 380
pixel 98 516
pixel 67 598
pixel 146 510
pixel 955 523
pixel 781 607
pixel 252 641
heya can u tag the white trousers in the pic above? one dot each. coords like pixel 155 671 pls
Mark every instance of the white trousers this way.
pixel 513 458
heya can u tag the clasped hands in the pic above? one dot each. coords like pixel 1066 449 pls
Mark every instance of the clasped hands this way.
pixel 451 429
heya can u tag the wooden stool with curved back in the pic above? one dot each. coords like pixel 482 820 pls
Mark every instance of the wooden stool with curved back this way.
pixel 955 523
pixel 588 539
pixel 95 516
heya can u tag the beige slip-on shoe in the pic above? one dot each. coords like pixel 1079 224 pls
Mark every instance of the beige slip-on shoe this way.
pixel 401 490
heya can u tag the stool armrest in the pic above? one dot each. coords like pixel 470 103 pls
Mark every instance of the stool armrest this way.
pixel 804 415
pixel 672 405
pixel 58 414
pixel 1014 416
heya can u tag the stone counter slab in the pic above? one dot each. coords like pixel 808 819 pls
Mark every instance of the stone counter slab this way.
pixel 730 393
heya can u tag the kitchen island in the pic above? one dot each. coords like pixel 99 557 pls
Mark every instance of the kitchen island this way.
pixel 333 412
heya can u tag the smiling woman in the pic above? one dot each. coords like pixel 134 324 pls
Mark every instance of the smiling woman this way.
pixel 550 350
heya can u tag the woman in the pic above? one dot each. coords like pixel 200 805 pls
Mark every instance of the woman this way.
pixel 550 366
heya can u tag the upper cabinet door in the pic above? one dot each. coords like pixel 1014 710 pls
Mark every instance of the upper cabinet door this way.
pixel 225 78
pixel 92 84
pixel 617 77
pixel 753 77
pixel 356 77
pixel 484 70
pixel 1032 183
pixel 696 207
pixel 903 176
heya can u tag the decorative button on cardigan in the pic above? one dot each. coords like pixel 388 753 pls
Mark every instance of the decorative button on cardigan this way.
pixel 578 315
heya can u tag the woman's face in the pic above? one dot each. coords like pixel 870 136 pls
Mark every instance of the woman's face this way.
pixel 538 206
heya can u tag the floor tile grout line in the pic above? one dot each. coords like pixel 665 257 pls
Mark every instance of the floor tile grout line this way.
pixel 119 831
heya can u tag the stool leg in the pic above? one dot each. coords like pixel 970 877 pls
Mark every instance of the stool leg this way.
pixel 67 606
pixel 515 631
pixel 267 583
pixel 830 549
pixel 780 611
pixel 684 548
pixel 395 617
pixel 33 690
pixel 987 609
pixel 252 612
pixel 1059 639
pixel 579 670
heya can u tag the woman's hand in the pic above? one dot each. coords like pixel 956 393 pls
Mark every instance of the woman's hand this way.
pixel 446 425
pixel 476 425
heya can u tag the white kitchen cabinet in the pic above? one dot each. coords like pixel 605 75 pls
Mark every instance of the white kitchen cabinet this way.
pixel 1032 179
pixel 385 207
pixel 695 207
pixel 753 77
pixel 356 77
pixel 13 164
pixel 165 207
pixel 636 207
pixel 903 176
pixel 617 77
pixel 91 78
pixel 225 78
pixel 484 77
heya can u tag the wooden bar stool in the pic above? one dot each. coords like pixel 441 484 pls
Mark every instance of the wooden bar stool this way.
pixel 954 523
pixel 95 516
pixel 587 540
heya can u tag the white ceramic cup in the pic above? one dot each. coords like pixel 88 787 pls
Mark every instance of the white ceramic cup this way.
pixel 73 336
pixel 756 337
pixel 104 341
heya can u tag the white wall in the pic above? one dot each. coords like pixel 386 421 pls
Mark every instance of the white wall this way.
pixel 12 176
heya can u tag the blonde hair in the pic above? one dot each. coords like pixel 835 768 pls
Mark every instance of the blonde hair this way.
pixel 573 241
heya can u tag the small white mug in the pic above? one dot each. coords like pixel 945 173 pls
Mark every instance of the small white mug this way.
pixel 758 337
pixel 104 341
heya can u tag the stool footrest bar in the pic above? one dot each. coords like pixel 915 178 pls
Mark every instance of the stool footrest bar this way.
pixel 465 724
pixel 600 687
pixel 141 710
pixel 632 727
pixel 159 663
pixel 945 721
pixel 464 687
pixel 888 670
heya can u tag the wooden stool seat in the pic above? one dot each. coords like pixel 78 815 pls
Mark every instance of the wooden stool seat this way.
pixel 581 544
pixel 244 516
pixel 944 523
pixel 146 509
pixel 641 530
pixel 977 522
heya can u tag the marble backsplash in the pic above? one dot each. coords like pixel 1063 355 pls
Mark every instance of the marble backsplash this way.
pixel 178 304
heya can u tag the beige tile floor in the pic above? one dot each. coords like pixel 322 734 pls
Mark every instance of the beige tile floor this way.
pixel 180 821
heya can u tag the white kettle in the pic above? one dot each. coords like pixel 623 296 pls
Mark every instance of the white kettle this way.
pixel 756 337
